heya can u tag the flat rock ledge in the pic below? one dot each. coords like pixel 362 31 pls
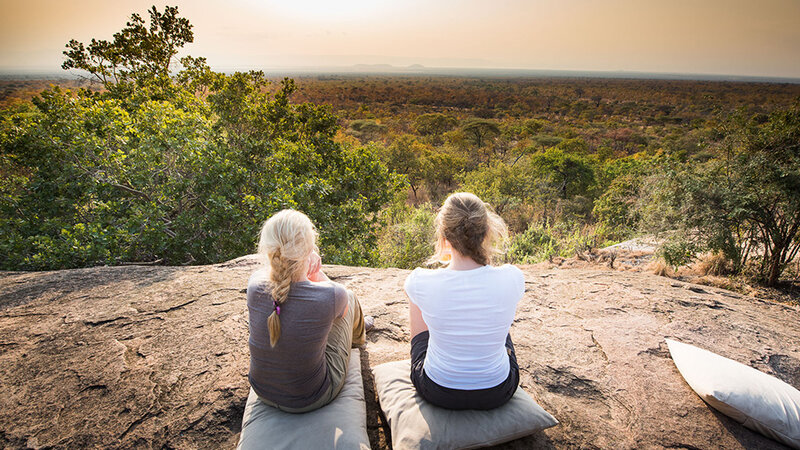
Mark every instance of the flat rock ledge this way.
pixel 156 357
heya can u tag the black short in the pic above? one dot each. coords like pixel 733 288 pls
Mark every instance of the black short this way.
pixel 488 398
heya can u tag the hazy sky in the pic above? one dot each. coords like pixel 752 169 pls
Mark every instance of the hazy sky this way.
pixel 733 37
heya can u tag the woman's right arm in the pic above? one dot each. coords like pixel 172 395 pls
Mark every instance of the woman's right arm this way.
pixel 418 324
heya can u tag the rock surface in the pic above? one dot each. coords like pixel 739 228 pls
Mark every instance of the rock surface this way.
pixel 136 356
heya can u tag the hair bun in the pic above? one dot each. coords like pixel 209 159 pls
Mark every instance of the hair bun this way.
pixel 467 223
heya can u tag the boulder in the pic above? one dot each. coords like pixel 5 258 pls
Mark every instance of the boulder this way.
pixel 140 356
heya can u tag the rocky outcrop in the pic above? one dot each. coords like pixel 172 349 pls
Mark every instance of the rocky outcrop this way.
pixel 137 356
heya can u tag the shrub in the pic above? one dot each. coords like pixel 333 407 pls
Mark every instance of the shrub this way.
pixel 149 171
pixel 677 252
pixel 367 130
pixel 540 242
pixel 536 244
pixel 407 239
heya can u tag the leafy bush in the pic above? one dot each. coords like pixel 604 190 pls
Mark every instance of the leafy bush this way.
pixel 535 245
pixel 366 130
pixel 407 240
pixel 745 203
pixel 434 125
pixel 149 172
pixel 677 252
pixel 565 174
pixel 542 242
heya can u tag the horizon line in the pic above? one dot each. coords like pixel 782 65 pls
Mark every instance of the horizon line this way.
pixel 422 70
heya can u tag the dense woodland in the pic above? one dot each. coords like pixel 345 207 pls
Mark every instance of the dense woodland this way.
pixel 150 160
pixel 573 164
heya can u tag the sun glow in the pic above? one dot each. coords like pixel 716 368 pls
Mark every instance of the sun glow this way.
pixel 326 10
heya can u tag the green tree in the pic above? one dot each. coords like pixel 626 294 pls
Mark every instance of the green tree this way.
pixel 546 141
pixel 407 240
pixel 442 169
pixel 500 185
pixel 576 146
pixel 620 183
pixel 367 130
pixel 407 156
pixel 182 178
pixel 480 131
pixel 534 126
pixel 138 57
pixel 567 173
pixel 745 202
pixel 434 125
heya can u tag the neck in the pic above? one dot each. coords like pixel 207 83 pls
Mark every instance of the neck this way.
pixel 461 262
pixel 301 275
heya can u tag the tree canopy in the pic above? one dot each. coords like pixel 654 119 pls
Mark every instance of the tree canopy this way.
pixel 175 169
pixel 138 57
pixel 745 203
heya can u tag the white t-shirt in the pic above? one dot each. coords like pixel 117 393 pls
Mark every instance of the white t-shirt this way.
pixel 469 314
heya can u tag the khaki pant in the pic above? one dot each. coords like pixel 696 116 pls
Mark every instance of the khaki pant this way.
pixel 347 332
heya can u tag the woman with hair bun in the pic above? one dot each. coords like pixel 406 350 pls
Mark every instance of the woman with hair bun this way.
pixel 302 325
pixel 462 356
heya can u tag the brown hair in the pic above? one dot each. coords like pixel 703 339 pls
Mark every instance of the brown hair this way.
pixel 287 239
pixel 471 227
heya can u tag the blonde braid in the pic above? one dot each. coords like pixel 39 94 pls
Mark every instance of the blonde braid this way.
pixel 280 275
pixel 287 238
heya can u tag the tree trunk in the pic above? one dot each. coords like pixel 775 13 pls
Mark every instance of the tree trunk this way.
pixel 775 263
pixel 774 269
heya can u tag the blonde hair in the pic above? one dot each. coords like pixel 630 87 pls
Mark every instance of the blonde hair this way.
pixel 471 227
pixel 287 239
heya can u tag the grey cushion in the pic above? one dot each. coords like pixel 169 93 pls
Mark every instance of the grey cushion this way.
pixel 756 400
pixel 341 424
pixel 416 424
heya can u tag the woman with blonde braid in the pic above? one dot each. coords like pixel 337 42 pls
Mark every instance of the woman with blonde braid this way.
pixel 462 356
pixel 302 325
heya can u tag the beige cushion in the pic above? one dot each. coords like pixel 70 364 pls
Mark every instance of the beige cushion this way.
pixel 416 424
pixel 341 424
pixel 758 401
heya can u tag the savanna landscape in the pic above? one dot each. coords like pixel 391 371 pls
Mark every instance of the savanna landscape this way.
pixel 571 164
pixel 133 189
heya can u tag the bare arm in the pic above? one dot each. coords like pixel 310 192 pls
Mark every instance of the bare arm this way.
pixel 315 272
pixel 418 324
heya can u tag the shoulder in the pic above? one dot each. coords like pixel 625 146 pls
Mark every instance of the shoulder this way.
pixel 339 291
pixel 258 281
pixel 328 289
pixel 421 274
pixel 513 275
pixel 258 287
pixel 509 271
pixel 329 285
pixel 416 281
pixel 339 298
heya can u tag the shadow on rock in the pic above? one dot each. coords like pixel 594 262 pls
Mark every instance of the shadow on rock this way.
pixel 20 288
pixel 377 428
